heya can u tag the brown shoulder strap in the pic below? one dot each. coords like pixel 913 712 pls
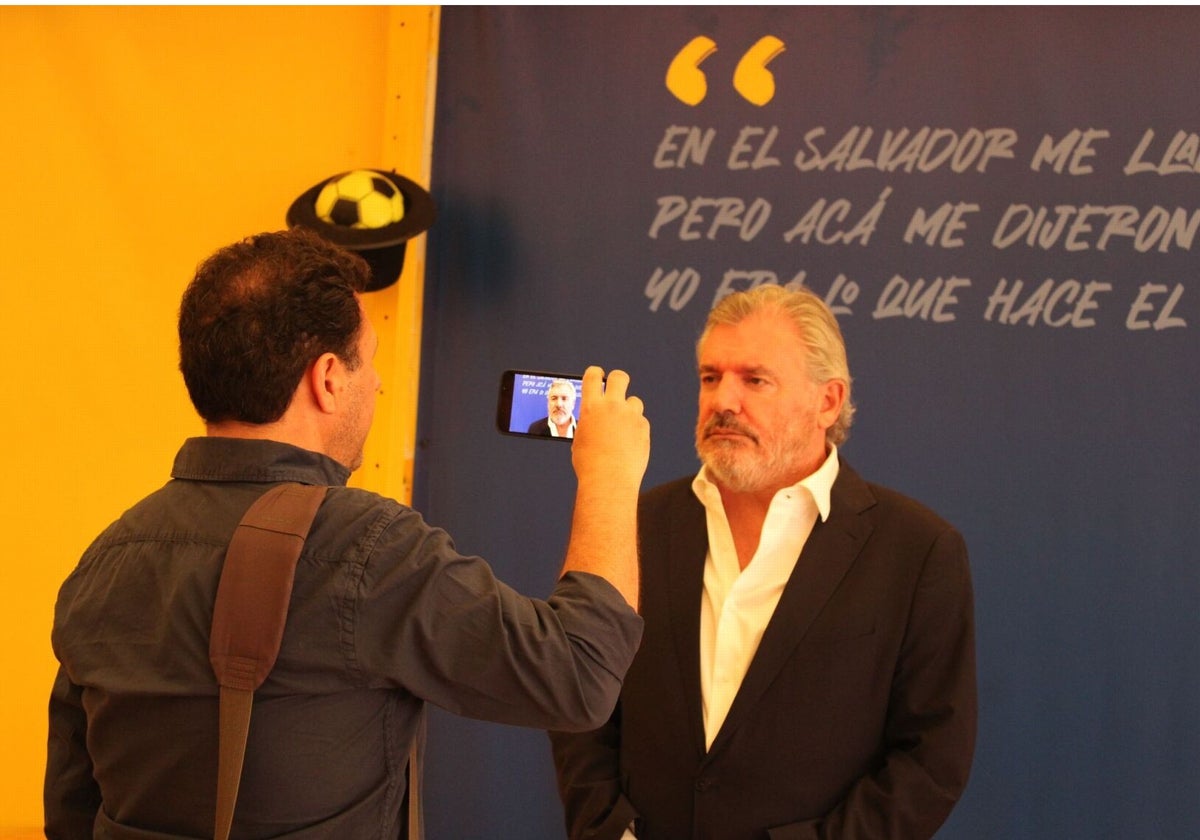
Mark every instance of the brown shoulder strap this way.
pixel 248 619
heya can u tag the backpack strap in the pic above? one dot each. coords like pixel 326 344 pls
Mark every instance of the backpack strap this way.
pixel 248 619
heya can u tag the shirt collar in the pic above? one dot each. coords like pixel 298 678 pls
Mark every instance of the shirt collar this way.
pixel 554 429
pixel 819 484
pixel 241 459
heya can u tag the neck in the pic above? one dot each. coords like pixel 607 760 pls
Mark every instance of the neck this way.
pixel 238 429
pixel 745 513
pixel 283 430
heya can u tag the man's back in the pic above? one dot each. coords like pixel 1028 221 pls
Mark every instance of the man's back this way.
pixel 133 625
pixel 333 722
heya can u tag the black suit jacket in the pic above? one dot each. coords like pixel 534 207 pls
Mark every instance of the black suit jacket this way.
pixel 541 427
pixel 856 718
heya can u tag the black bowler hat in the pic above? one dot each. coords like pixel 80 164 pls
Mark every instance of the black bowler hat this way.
pixel 382 247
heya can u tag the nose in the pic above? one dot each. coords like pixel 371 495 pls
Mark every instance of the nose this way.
pixel 726 395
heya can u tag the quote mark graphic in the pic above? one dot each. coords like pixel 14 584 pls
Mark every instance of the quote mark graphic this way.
pixel 751 79
pixel 685 79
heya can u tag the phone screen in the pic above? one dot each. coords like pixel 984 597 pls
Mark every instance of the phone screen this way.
pixel 538 404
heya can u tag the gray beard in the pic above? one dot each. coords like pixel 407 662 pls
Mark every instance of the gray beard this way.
pixel 744 470
pixel 740 472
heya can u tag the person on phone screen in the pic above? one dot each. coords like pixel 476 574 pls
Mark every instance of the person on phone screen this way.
pixel 560 412
pixel 386 616
pixel 807 669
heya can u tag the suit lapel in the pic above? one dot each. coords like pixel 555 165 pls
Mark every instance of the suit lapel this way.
pixel 685 569
pixel 824 561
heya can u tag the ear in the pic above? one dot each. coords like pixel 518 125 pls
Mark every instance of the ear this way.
pixel 830 401
pixel 326 379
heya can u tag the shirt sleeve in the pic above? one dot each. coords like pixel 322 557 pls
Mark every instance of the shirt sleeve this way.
pixel 587 767
pixel 71 796
pixel 442 626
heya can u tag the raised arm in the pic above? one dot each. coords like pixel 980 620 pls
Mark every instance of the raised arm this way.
pixel 609 453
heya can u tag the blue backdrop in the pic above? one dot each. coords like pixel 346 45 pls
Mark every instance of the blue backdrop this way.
pixel 1001 204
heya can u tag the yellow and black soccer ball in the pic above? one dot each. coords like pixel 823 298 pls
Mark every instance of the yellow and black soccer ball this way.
pixel 372 212
pixel 362 198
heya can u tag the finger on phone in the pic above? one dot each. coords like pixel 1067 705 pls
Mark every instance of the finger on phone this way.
pixel 617 383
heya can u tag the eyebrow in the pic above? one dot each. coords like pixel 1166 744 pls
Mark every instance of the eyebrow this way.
pixel 739 369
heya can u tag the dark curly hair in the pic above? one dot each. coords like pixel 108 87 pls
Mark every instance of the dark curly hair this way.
pixel 258 313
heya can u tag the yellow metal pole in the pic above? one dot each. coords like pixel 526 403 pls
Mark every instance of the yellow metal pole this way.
pixel 396 311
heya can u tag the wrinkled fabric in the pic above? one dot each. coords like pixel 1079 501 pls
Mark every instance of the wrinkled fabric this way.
pixel 385 616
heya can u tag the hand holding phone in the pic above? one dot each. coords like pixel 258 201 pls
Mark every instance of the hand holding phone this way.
pixel 552 406
pixel 609 457
pixel 615 435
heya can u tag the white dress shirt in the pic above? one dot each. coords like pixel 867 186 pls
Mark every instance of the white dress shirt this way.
pixel 737 603
pixel 554 429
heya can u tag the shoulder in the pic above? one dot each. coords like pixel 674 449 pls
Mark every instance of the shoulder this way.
pixel 377 528
pixel 671 493
pixel 360 512
pixel 889 508
pixel 672 503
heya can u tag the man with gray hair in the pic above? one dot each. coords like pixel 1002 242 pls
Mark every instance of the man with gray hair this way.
pixel 560 411
pixel 807 668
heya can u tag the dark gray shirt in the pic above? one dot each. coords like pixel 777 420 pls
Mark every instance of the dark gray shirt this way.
pixel 385 615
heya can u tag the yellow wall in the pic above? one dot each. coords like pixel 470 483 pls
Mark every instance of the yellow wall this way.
pixel 133 142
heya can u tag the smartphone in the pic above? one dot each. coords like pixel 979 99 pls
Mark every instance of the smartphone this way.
pixel 538 404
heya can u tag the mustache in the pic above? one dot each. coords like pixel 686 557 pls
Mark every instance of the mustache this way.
pixel 725 421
